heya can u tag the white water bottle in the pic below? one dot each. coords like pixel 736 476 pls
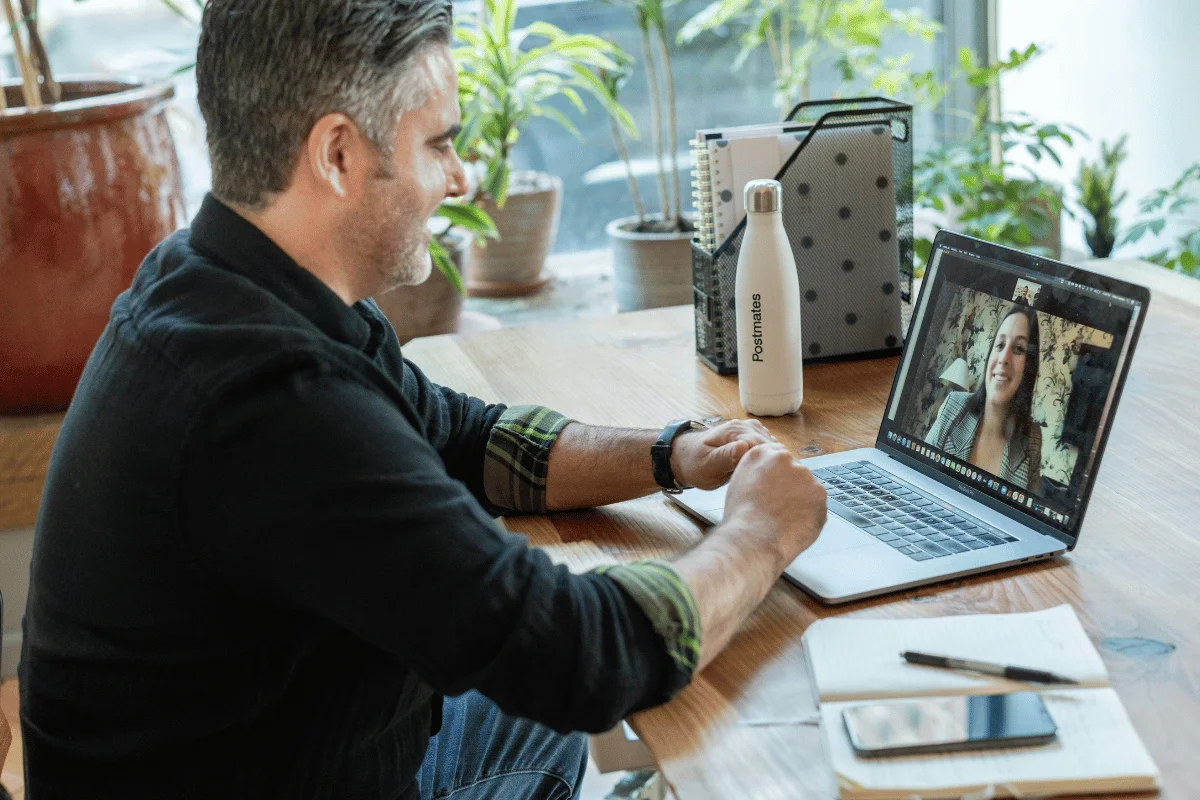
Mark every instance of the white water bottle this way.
pixel 770 360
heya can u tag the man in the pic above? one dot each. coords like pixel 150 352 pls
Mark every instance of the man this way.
pixel 266 548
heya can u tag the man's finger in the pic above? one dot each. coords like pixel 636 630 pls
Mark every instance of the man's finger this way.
pixel 724 433
pixel 732 452
pixel 754 438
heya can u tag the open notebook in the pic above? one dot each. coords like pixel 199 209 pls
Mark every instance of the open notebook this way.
pixel 1097 749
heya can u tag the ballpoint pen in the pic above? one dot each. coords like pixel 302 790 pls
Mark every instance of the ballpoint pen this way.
pixel 985 667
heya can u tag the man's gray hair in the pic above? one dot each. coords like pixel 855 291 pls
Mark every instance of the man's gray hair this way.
pixel 267 70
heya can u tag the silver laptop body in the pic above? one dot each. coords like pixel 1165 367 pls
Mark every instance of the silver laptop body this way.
pixel 904 513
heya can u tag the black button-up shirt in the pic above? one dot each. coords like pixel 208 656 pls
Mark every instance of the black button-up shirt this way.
pixel 265 549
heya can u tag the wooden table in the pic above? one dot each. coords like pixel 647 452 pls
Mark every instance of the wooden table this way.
pixel 1133 578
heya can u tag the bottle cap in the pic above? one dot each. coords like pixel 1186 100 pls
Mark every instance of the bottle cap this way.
pixel 763 196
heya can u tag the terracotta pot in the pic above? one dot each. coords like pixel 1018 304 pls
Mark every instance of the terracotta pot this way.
pixel 650 270
pixel 432 307
pixel 527 224
pixel 87 187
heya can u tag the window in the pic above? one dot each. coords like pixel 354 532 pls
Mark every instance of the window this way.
pixel 99 37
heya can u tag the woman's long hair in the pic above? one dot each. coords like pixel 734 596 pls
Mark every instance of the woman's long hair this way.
pixel 1021 408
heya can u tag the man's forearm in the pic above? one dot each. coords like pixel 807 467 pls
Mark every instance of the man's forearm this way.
pixel 729 573
pixel 594 466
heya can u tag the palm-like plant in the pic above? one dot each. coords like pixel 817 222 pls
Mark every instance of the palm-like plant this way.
pixel 1173 204
pixel 991 196
pixel 651 19
pixel 504 84
pixel 1099 198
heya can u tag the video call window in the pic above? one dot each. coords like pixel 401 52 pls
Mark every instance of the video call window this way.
pixel 1011 378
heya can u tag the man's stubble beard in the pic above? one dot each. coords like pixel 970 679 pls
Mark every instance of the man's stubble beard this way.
pixel 395 250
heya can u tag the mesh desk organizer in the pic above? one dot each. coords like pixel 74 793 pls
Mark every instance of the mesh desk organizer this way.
pixel 848 213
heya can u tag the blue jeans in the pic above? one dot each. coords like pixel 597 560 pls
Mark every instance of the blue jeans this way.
pixel 482 753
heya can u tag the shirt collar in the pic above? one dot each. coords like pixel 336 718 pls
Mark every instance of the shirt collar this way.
pixel 236 244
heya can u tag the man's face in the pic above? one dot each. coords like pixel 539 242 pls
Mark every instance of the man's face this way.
pixel 390 226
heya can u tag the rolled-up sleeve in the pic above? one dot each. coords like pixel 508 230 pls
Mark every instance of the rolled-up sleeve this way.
pixel 517 458
pixel 667 602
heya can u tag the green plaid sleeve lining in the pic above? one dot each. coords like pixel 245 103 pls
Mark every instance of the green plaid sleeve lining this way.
pixel 517 458
pixel 669 605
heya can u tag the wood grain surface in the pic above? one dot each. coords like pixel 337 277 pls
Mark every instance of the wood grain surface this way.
pixel 25 446
pixel 742 728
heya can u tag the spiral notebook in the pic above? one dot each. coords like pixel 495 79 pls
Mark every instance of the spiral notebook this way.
pixel 1097 749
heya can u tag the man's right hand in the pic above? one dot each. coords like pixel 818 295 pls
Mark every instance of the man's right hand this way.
pixel 774 509
pixel 775 503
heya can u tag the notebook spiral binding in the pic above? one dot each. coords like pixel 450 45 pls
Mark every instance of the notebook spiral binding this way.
pixel 702 196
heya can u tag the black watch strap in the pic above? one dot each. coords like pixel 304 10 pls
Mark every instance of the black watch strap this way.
pixel 660 454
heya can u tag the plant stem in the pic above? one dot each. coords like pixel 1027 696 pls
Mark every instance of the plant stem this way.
pixel 785 37
pixel 777 65
pixel 619 141
pixel 655 119
pixel 29 85
pixel 672 128
pixel 41 60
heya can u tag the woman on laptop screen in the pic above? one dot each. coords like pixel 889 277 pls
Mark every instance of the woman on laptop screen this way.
pixel 993 426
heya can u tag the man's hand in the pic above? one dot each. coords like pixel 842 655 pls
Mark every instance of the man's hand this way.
pixel 774 509
pixel 706 458
pixel 776 502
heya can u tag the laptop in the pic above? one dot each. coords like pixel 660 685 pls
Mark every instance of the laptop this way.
pixel 936 498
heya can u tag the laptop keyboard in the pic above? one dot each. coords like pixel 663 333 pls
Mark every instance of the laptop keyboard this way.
pixel 900 516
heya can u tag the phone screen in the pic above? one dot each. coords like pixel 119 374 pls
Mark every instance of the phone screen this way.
pixel 941 724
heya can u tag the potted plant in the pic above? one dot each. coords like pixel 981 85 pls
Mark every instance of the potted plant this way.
pixel 434 307
pixel 975 184
pixel 504 84
pixel 1097 196
pixel 802 34
pixel 1175 203
pixel 652 256
pixel 76 229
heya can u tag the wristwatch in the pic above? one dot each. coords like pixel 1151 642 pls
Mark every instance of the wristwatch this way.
pixel 660 454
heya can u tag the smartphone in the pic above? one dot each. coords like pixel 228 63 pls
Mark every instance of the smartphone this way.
pixel 947 724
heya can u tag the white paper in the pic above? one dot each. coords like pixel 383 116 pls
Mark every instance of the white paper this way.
pixel 860 658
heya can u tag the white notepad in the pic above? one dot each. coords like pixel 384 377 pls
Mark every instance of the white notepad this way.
pixel 1097 748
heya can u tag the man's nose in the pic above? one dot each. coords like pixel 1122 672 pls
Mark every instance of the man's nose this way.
pixel 456 186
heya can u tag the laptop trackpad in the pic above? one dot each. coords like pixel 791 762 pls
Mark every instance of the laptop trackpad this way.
pixel 837 535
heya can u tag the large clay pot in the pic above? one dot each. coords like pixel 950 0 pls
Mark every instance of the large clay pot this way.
pixel 650 269
pixel 432 307
pixel 87 187
pixel 528 223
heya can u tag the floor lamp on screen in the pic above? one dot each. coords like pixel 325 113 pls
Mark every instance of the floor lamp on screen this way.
pixel 955 378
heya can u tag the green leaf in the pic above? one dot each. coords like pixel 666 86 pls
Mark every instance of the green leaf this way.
pixel 445 265
pixel 922 248
pixel 470 218
pixel 560 118
pixel 712 16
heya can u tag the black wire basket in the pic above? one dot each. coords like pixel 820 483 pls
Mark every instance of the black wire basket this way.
pixel 849 217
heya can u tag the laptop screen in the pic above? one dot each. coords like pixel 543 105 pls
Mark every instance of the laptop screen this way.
pixel 1011 376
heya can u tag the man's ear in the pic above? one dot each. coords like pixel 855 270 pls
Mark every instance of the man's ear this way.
pixel 334 154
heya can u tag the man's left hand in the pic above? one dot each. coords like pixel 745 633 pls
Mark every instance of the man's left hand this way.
pixel 705 458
